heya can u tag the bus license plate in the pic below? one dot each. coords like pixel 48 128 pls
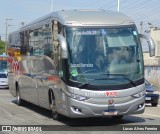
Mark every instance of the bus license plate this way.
pixel 110 112
pixel 148 98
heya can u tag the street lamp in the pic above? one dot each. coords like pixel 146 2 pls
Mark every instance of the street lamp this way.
pixel 7 25
pixel 118 5
pixel 152 27
pixel 141 25
pixel 51 5
pixel 22 23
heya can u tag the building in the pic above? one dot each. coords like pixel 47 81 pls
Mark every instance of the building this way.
pixel 152 64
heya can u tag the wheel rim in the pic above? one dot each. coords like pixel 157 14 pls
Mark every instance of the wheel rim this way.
pixel 18 97
pixel 53 104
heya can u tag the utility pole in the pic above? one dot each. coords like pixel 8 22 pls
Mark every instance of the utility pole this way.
pixel 22 23
pixel 51 5
pixel 118 5
pixel 141 24
pixel 7 25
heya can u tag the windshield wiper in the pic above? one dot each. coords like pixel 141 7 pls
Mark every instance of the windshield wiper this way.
pixel 131 81
pixel 87 82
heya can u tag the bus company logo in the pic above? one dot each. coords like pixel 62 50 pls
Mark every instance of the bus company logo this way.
pixel 111 94
pixel 6 128
pixel 15 65
pixel 16 68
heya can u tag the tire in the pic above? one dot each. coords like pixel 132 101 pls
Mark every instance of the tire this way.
pixel 20 102
pixel 119 117
pixel 55 114
pixel 154 104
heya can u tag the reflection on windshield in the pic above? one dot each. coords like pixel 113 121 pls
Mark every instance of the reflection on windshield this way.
pixel 93 51
pixel 3 65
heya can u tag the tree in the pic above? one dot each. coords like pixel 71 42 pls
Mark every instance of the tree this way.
pixel 2 47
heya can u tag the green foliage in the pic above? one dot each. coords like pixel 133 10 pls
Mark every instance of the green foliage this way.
pixel 2 47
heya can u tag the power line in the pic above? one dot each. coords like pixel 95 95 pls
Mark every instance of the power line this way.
pixel 91 3
pixel 126 5
pixel 110 6
pixel 141 11
pixel 138 12
pixel 123 1
pixel 106 5
pixel 133 7
pixel 136 9
pixel 145 4
pixel 148 14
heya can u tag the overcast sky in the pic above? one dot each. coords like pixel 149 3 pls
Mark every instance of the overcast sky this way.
pixel 28 10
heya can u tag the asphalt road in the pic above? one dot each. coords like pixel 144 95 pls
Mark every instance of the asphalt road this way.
pixel 11 114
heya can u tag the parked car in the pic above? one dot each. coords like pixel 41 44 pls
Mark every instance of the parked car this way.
pixel 152 95
pixel 3 80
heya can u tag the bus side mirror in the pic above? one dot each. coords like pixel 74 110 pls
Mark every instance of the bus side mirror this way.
pixel 63 46
pixel 151 44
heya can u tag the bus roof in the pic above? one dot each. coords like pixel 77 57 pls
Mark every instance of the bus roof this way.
pixel 85 18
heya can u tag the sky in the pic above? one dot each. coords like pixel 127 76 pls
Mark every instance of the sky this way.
pixel 27 10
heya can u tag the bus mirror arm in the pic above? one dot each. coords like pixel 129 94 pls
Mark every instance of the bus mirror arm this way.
pixel 151 44
pixel 63 45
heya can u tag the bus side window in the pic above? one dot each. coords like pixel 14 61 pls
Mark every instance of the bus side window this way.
pixel 48 47
pixel 57 28
pixel 36 41
pixel 24 37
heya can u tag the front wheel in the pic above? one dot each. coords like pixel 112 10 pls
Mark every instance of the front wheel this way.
pixel 118 117
pixel 20 102
pixel 55 114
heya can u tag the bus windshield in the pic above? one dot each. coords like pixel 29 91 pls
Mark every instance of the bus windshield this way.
pixel 3 65
pixel 97 51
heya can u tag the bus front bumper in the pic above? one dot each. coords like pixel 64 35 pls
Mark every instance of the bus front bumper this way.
pixel 82 109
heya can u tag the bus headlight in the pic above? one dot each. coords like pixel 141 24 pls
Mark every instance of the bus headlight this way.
pixel 155 92
pixel 78 97
pixel 140 94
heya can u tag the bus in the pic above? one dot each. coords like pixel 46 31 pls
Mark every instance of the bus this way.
pixel 80 63
pixel 3 63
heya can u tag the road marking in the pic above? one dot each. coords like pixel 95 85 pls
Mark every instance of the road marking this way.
pixel 152 115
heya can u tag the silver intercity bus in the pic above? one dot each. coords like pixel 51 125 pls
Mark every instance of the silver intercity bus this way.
pixel 79 63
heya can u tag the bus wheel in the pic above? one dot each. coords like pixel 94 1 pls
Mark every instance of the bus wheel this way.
pixel 55 115
pixel 119 117
pixel 154 104
pixel 19 100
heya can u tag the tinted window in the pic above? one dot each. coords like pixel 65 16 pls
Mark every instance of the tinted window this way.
pixel 3 76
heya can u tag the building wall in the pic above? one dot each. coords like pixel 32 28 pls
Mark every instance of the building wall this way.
pixel 152 74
